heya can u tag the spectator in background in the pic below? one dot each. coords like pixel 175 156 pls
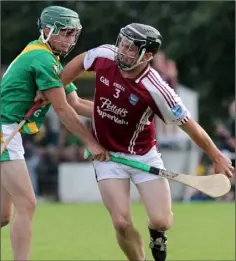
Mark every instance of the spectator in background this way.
pixel 225 134
pixel 166 68
pixel 70 147
pixel 231 139
pixel 45 150
pixel 40 154
pixel 54 121
pixel 47 167
pixel 226 141
pixel 32 159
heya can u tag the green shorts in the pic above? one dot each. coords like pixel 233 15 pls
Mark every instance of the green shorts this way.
pixel 15 149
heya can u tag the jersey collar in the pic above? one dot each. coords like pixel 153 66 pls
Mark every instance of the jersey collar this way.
pixel 49 48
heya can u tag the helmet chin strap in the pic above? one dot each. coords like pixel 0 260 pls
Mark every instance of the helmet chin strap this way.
pixel 49 35
pixel 55 52
pixel 138 61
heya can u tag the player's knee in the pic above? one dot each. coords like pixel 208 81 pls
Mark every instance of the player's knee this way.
pixel 26 206
pixel 122 224
pixel 162 222
pixel 5 220
pixel 30 205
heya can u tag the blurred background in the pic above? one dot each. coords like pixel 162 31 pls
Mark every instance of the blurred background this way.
pixel 197 59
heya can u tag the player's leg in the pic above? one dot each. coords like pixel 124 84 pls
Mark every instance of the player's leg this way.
pixel 15 180
pixel 6 207
pixel 114 186
pixel 155 194
pixel 156 198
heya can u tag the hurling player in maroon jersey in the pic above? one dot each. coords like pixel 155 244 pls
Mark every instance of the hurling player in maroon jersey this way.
pixel 127 96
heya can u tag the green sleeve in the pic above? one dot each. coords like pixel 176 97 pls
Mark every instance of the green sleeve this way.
pixel 70 88
pixel 46 70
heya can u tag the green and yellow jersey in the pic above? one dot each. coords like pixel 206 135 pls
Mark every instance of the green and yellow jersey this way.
pixel 35 68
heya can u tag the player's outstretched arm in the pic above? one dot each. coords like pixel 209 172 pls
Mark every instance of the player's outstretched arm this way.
pixel 72 70
pixel 167 104
pixel 221 164
pixel 81 106
pixel 70 119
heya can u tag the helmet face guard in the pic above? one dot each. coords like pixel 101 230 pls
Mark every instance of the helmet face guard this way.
pixel 63 23
pixel 63 33
pixel 63 43
pixel 130 51
pixel 132 44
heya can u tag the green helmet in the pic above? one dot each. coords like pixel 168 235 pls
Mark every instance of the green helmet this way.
pixel 58 18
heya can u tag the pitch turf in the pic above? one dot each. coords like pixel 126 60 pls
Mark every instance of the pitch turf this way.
pixel 201 231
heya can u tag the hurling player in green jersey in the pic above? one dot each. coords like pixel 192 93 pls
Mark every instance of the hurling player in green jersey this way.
pixel 37 68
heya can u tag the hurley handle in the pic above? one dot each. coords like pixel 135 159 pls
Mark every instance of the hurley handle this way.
pixel 127 162
pixel 32 110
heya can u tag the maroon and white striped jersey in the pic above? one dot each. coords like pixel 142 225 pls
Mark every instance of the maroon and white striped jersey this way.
pixel 124 109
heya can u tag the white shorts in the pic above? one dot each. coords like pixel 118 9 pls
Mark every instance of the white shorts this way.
pixel 113 170
pixel 15 149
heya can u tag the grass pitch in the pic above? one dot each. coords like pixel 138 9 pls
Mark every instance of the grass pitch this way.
pixel 201 231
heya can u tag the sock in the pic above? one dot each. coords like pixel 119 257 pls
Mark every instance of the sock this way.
pixel 158 244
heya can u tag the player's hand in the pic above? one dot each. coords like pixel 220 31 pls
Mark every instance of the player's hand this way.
pixel 41 97
pixel 223 165
pixel 98 152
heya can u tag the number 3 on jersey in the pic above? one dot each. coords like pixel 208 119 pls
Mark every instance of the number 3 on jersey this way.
pixel 117 94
